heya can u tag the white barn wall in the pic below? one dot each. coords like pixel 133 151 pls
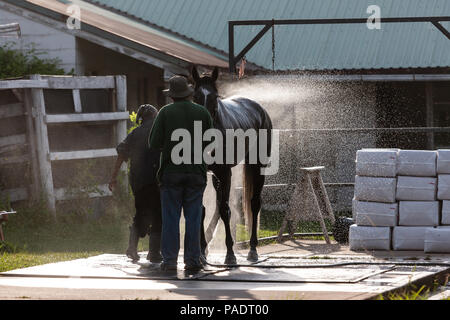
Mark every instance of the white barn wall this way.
pixel 53 43
pixel 54 40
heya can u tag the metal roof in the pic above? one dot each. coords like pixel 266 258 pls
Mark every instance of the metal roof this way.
pixel 146 39
pixel 306 47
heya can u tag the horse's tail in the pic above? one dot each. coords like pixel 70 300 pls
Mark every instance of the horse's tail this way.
pixel 247 195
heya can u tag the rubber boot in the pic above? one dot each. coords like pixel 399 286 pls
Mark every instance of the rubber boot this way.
pixel 154 248
pixel 132 244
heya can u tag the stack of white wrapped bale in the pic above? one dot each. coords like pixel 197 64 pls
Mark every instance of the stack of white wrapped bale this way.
pixel 438 239
pixel 375 209
pixel 397 200
pixel 416 193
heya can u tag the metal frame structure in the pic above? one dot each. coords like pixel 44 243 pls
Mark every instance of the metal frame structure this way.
pixel 233 60
pixel 268 24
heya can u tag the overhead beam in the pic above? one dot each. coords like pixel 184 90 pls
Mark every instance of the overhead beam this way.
pixel 441 28
pixel 268 23
pixel 336 21
pixel 370 77
pixel 252 43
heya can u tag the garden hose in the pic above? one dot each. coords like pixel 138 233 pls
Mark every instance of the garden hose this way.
pixel 333 265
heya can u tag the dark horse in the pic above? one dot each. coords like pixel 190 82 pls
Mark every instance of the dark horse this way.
pixel 235 113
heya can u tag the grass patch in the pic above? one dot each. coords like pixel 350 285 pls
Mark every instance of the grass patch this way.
pixel 413 292
pixel 422 293
pixel 34 237
pixel 19 260
pixel 270 225
pixel 61 241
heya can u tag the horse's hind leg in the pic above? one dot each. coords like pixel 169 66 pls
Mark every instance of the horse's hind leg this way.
pixel 222 184
pixel 258 184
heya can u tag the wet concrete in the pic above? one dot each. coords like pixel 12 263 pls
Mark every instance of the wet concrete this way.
pixel 301 269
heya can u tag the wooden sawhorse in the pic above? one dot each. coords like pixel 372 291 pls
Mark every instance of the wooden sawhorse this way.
pixel 309 193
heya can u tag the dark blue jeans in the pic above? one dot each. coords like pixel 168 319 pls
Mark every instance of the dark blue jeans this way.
pixel 181 191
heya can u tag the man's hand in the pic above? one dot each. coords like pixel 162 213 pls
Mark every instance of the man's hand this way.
pixel 112 185
pixel 113 182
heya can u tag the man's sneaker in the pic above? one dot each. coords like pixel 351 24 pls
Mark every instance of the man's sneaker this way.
pixel 168 267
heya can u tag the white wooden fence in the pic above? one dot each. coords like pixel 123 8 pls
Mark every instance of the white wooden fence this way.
pixel 32 105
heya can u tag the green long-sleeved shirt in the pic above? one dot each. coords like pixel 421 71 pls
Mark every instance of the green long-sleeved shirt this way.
pixel 179 115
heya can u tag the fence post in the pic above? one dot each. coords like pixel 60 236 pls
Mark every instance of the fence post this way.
pixel 31 137
pixel 121 127
pixel 43 148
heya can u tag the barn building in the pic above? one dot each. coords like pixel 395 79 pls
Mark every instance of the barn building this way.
pixel 346 77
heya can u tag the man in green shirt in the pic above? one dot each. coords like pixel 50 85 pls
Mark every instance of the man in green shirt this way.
pixel 182 172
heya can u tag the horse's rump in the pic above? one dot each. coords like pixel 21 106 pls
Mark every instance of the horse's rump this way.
pixel 244 114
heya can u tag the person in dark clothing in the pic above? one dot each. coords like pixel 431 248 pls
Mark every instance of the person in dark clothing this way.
pixel 144 165
pixel 182 184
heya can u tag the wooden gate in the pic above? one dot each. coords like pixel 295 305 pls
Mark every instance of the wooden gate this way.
pixel 34 104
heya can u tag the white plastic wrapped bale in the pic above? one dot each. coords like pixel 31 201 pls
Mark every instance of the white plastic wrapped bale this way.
pixel 443 161
pixel 445 217
pixel 376 162
pixel 376 214
pixel 416 188
pixel 408 238
pixel 375 189
pixel 444 187
pixel 418 213
pixel 437 240
pixel 417 163
pixel 369 238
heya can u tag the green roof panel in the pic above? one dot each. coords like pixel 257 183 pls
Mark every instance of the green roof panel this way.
pixel 305 47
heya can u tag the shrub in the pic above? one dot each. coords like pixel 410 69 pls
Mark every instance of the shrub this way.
pixel 18 63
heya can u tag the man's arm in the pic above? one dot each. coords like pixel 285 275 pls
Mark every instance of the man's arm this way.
pixel 113 182
pixel 123 151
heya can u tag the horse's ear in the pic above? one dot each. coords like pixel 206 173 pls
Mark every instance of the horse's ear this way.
pixel 195 75
pixel 215 74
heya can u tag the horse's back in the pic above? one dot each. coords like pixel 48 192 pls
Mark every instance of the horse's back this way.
pixel 242 113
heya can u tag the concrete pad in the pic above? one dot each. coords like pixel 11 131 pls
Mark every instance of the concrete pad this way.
pixel 301 269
